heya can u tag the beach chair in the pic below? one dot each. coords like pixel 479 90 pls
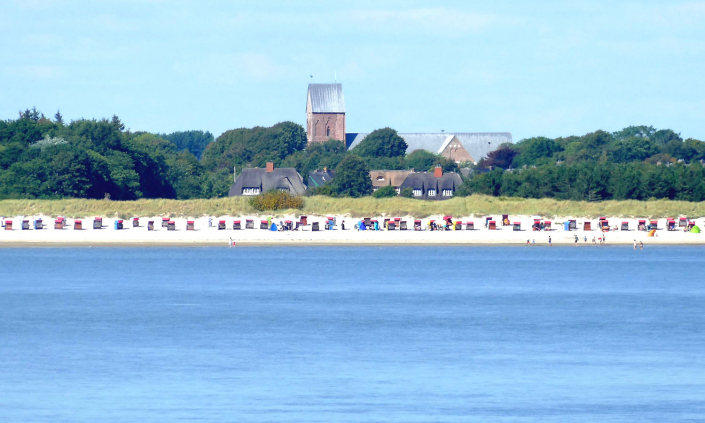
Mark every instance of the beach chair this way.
pixel 38 224
pixel 314 226
pixel 190 225
pixel 470 226
pixel 150 225
pixel 402 225
pixel 624 227
pixel 417 225
pixel 492 225
pixel 170 225
pixel 264 224
pixel 587 226
pixel 98 223
pixel 25 225
pixel 8 225
pixel 165 222
pixel 77 225
pixel 236 225
pixel 221 225
pixel 135 222
pixel 249 224
pixel 517 226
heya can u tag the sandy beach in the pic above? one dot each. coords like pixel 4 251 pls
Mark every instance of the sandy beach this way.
pixel 205 235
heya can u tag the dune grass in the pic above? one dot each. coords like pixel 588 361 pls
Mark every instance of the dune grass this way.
pixel 478 205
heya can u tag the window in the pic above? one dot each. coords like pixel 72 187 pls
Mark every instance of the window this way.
pixel 250 191
pixel 417 193
pixel 447 192
pixel 432 193
pixel 380 178
pixel 328 131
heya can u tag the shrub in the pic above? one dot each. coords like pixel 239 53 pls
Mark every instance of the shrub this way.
pixel 276 200
pixel 384 192
pixel 326 190
pixel 407 192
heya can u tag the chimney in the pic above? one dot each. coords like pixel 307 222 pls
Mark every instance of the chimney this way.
pixel 438 172
pixel 270 167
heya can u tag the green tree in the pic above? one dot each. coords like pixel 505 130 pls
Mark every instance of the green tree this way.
pixel 193 141
pixel 352 177
pixel 383 142
pixel 254 146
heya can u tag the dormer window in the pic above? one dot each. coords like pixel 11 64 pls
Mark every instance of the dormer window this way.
pixel 380 178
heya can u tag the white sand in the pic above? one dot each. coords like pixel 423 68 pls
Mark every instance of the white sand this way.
pixel 212 236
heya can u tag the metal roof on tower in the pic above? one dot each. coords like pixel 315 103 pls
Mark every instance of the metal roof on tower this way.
pixel 326 98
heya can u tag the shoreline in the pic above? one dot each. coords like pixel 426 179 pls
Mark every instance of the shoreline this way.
pixel 205 236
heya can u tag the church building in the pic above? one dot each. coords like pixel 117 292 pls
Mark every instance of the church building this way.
pixel 325 113
pixel 325 119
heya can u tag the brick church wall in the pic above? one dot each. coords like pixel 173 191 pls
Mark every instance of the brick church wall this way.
pixel 321 127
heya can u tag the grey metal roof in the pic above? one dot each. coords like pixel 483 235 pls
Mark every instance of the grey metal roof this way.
pixel 478 144
pixel 326 98
pixel 281 178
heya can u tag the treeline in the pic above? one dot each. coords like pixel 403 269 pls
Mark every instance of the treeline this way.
pixel 47 158
pixel 89 158
pixel 638 162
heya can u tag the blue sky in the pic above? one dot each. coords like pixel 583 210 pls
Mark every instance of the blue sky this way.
pixel 528 67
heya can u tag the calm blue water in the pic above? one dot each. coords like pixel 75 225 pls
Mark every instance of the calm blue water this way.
pixel 320 334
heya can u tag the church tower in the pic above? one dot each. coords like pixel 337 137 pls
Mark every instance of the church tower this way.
pixel 325 113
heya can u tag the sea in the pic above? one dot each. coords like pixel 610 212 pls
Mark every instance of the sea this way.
pixel 352 334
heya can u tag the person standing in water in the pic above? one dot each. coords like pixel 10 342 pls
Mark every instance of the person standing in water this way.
pixel 641 245
pixel 635 245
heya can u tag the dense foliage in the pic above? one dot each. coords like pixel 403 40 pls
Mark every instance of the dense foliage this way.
pixel 352 177
pixel 193 141
pixel 49 158
pixel 254 147
pixel 384 142
pixel 638 162
pixel 40 158
pixel 276 200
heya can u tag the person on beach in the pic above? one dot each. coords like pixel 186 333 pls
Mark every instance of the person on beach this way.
pixel 593 241
pixel 586 239
pixel 527 242
pixel 576 240
pixel 342 225
pixel 604 240
pixel 641 245
pixel 549 242
pixel 210 224
pixel 533 242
